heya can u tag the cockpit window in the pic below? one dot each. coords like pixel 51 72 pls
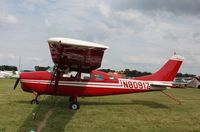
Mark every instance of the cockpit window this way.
pixel 98 77
pixel 50 69
pixel 70 74
pixel 85 76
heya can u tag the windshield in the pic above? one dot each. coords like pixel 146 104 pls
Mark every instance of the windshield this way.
pixel 50 69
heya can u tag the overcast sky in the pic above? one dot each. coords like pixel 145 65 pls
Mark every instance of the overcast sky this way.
pixel 141 34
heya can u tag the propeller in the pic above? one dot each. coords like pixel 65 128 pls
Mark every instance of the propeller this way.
pixel 16 83
pixel 18 72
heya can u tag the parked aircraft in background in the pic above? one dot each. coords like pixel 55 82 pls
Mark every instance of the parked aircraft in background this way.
pixel 75 74
pixel 9 74
pixel 179 83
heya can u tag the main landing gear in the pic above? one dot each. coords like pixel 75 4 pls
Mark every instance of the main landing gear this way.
pixel 35 101
pixel 73 104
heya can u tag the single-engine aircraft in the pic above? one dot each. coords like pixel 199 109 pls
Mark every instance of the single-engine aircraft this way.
pixel 74 74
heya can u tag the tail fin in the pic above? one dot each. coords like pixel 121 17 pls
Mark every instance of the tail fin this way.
pixel 167 72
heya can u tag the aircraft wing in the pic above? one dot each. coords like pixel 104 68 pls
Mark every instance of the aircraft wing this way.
pixel 76 54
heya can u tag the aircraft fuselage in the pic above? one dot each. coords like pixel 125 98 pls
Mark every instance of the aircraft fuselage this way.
pixel 97 84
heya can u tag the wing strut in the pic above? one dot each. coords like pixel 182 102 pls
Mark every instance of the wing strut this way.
pixel 58 70
pixel 178 101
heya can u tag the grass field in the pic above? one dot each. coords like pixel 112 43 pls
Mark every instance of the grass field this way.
pixel 133 112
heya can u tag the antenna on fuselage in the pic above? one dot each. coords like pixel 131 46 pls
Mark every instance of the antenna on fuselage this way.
pixel 174 52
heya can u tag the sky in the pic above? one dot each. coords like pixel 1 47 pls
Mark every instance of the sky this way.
pixel 141 34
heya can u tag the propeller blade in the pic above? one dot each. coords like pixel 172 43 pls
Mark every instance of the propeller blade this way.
pixel 16 83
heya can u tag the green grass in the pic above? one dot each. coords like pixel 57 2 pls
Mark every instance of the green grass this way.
pixel 133 112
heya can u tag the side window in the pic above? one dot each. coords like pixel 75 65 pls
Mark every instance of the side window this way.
pixel 71 74
pixel 85 76
pixel 98 77
pixel 111 77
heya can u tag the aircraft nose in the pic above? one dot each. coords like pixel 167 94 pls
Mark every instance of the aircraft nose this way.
pixel 36 75
pixel 21 76
pixel 29 75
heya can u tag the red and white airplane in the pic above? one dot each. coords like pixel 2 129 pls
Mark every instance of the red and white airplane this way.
pixel 75 74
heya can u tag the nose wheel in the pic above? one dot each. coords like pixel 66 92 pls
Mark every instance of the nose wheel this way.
pixel 35 101
pixel 73 104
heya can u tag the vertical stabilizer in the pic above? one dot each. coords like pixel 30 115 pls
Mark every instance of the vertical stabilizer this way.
pixel 167 72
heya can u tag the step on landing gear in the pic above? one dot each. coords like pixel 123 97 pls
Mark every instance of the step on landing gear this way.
pixel 35 101
pixel 73 104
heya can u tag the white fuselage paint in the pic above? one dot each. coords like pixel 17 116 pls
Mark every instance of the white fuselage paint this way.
pixel 122 84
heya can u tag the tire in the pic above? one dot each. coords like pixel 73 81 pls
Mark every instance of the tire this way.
pixel 74 106
pixel 199 87
pixel 34 101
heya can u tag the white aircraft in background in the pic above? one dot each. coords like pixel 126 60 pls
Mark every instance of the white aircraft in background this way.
pixel 9 74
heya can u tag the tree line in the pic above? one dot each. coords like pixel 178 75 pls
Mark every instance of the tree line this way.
pixel 14 68
pixel 135 73
pixel 127 72
pixel 41 68
pixel 8 68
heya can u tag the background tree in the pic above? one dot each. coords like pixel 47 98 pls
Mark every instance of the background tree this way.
pixel 8 68
pixel 106 70
pixel 41 68
pixel 185 75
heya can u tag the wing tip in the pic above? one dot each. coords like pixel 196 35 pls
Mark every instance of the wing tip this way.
pixel 177 57
pixel 76 42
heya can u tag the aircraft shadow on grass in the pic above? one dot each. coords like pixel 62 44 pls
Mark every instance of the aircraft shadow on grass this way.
pixel 48 102
pixel 61 115
pixel 58 117
pixel 150 104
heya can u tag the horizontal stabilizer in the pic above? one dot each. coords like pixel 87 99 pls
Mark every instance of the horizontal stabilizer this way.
pixel 159 86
